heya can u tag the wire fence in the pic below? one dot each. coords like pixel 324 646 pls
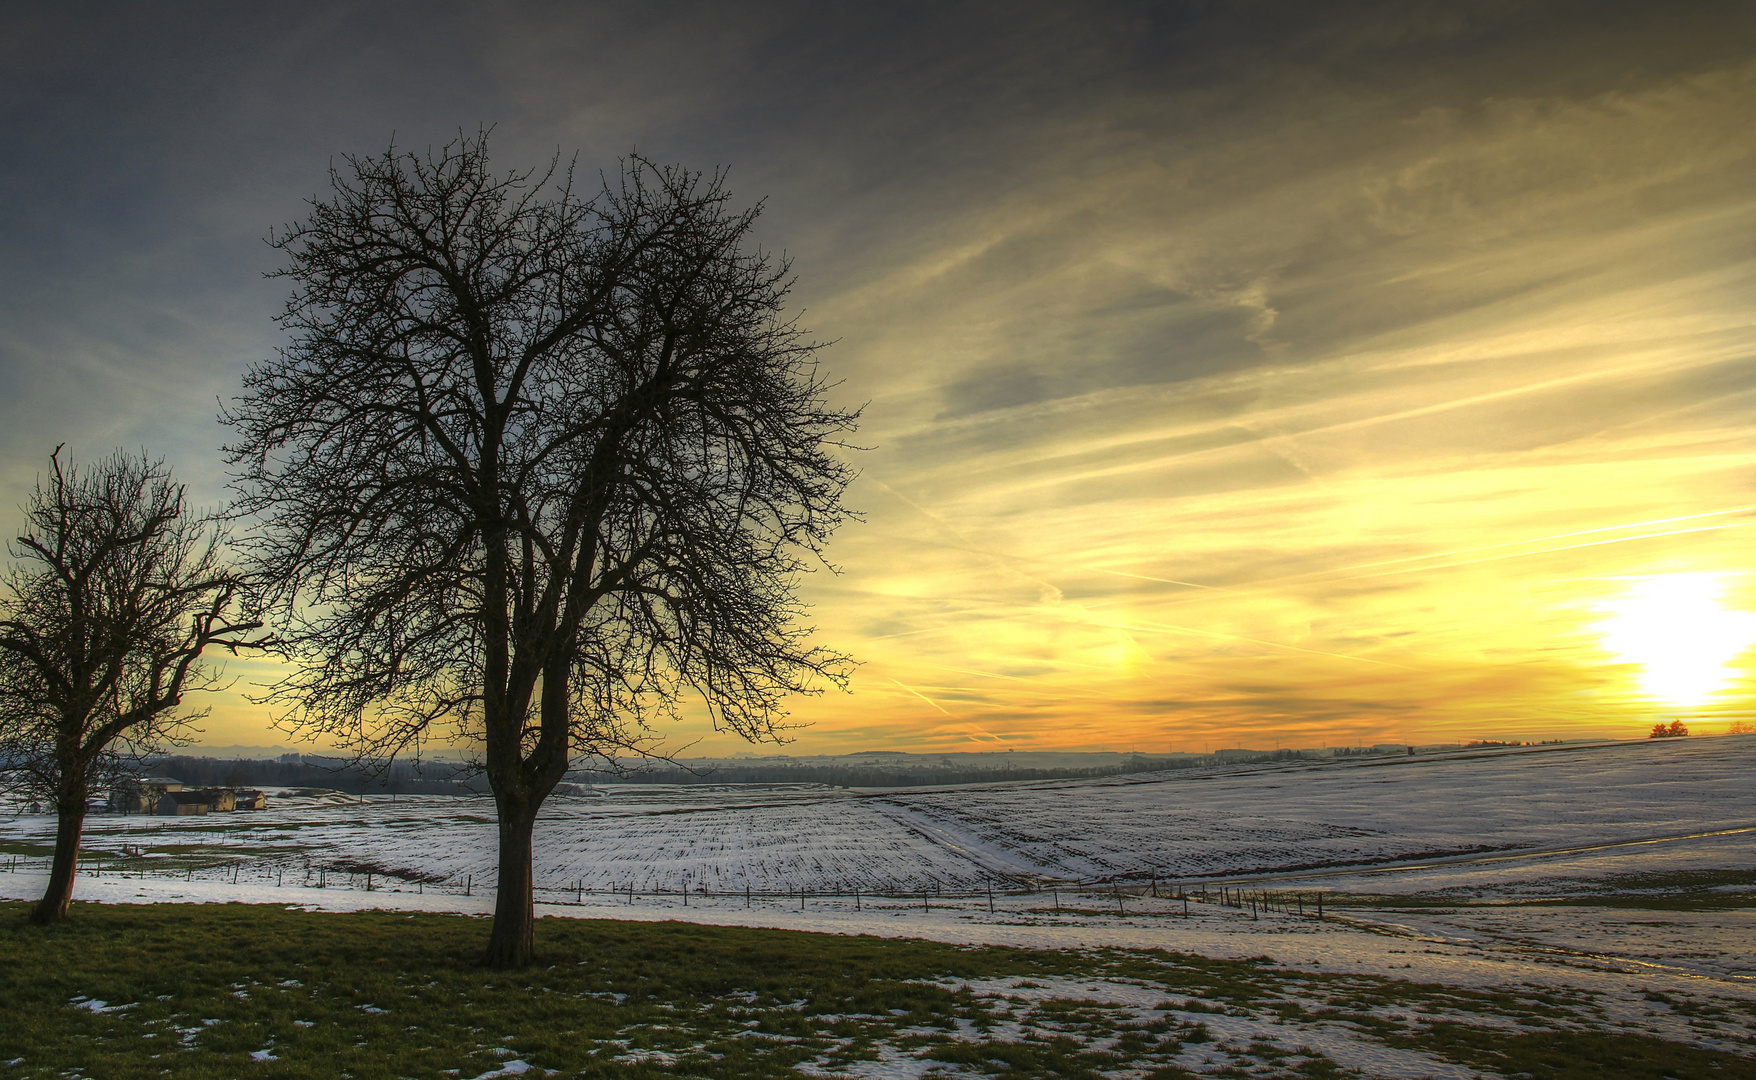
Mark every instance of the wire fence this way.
pixel 1118 896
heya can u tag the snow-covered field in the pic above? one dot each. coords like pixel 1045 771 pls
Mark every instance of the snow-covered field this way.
pixel 1657 798
pixel 1548 822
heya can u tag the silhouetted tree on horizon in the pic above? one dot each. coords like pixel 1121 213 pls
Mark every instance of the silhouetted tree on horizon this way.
pixel 115 593
pixel 531 469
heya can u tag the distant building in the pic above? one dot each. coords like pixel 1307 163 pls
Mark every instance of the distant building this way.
pixel 182 803
pixel 220 800
pixel 251 799
pixel 141 794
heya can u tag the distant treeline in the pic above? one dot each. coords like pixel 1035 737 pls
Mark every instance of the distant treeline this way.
pixel 447 778
pixel 418 778
pixel 883 774
pixel 451 778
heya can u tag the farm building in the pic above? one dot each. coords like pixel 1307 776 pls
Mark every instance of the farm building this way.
pixel 141 794
pixel 182 803
pixel 211 800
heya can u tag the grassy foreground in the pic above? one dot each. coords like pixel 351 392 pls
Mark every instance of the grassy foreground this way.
pixel 202 991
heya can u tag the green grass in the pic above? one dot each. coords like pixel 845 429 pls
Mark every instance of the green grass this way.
pixel 690 991
pixel 1683 890
pixel 1570 1054
pixel 384 995
pixel 1698 902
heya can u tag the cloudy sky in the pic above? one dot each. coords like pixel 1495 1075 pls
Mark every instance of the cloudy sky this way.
pixel 1235 373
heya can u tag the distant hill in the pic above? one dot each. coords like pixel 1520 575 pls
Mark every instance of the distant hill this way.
pixel 447 772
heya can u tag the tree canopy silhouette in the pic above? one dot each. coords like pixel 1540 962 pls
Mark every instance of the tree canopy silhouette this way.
pixel 532 469
pixel 115 594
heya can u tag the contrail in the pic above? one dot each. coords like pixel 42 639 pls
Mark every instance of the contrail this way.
pixel 1567 547
pixel 1541 539
pixel 1249 586
pixel 1168 628
pixel 1149 577
pixel 922 696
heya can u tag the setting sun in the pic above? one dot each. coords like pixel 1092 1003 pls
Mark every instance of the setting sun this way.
pixel 1675 628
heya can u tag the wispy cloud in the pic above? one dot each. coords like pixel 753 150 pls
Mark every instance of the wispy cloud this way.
pixel 1225 385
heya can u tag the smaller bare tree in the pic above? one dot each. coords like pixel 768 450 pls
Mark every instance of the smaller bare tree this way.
pixel 115 592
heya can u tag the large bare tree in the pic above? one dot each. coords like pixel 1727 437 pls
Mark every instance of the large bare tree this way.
pixel 533 470
pixel 115 593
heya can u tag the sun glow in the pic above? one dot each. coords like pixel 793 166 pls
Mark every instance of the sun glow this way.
pixel 1674 627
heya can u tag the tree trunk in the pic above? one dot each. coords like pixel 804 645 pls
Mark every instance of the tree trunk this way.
pixel 512 941
pixel 69 823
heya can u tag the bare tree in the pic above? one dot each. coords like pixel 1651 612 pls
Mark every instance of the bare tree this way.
pixel 533 469
pixel 115 594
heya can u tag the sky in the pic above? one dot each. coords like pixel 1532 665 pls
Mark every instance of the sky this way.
pixel 1261 374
